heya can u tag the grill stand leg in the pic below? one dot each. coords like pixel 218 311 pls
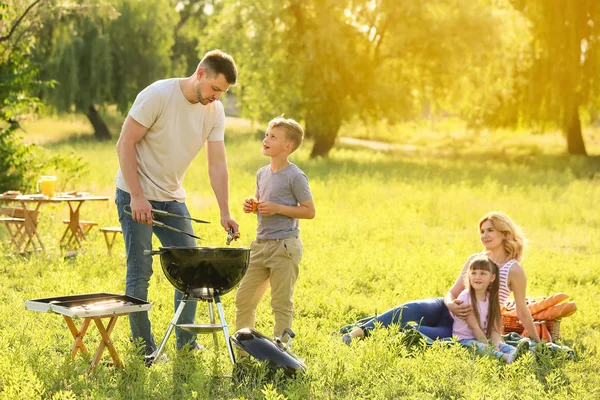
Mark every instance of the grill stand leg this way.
pixel 172 325
pixel 211 313
pixel 225 330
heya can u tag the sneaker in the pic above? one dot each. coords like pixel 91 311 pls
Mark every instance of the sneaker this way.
pixel 149 360
pixel 522 348
pixel 198 347
pixel 193 347
pixel 347 339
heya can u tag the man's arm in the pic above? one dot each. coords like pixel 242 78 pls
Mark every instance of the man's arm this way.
pixel 219 181
pixel 131 133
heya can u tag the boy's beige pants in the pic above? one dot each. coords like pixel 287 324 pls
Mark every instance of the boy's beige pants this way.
pixel 275 262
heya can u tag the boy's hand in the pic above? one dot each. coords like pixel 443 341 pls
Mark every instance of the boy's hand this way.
pixel 268 208
pixel 250 205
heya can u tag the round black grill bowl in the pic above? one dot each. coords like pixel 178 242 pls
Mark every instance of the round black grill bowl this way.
pixel 204 272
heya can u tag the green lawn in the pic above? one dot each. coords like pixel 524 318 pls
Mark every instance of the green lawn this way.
pixel 390 227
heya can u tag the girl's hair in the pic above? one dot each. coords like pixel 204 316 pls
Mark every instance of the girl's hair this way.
pixel 493 318
pixel 514 240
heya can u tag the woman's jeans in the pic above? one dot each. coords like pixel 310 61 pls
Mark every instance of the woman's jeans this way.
pixel 483 347
pixel 138 237
pixel 431 315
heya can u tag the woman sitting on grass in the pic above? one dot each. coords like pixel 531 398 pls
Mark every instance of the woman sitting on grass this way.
pixel 503 243
pixel 483 324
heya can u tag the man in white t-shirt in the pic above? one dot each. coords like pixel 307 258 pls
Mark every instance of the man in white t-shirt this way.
pixel 168 124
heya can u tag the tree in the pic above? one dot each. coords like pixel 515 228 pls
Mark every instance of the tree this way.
pixel 188 31
pixel 443 56
pixel 328 61
pixel 20 164
pixel 563 77
pixel 299 58
pixel 105 55
pixel 17 80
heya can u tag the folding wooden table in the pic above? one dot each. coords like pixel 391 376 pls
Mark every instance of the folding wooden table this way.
pixel 91 307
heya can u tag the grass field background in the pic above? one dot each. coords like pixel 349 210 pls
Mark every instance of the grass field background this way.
pixel 390 227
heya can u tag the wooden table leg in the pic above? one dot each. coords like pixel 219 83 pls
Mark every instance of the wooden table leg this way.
pixel 78 335
pixel 106 342
pixel 31 232
pixel 74 227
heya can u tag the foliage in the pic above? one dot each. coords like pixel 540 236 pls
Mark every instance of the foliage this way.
pixel 141 39
pixel 390 227
pixel 562 78
pixel 443 57
pixel 193 18
pixel 329 62
pixel 103 53
pixel 15 161
pixel 21 164
pixel 297 58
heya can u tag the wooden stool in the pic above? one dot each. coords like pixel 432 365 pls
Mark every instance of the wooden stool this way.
pixel 86 227
pixel 17 228
pixel 110 241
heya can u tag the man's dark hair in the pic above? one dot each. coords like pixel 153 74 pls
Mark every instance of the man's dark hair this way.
pixel 219 62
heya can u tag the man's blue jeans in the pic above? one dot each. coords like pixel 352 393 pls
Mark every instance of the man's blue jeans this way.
pixel 431 315
pixel 138 237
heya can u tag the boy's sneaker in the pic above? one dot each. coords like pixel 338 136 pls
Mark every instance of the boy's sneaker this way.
pixel 198 347
pixel 346 339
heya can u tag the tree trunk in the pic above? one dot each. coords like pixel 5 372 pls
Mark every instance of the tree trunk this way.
pixel 101 131
pixel 572 127
pixel 323 143
pixel 323 122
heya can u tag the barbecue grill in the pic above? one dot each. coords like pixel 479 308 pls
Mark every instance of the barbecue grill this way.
pixel 91 306
pixel 202 273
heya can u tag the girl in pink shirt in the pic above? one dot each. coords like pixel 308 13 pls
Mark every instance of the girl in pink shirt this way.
pixel 483 324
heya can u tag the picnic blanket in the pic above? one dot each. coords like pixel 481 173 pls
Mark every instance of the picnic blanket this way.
pixel 412 336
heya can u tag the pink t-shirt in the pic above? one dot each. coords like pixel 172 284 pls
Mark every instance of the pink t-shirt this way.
pixel 460 328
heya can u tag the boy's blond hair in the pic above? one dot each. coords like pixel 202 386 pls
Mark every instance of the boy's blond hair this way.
pixel 293 131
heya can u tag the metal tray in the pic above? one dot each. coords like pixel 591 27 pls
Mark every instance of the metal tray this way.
pixel 89 305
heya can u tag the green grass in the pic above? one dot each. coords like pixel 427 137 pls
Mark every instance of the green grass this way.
pixel 390 227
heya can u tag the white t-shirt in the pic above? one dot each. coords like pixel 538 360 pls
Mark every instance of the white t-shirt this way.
pixel 177 130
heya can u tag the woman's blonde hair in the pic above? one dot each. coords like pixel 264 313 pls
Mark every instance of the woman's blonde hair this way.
pixel 514 239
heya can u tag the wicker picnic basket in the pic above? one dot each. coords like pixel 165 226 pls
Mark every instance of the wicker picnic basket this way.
pixel 512 324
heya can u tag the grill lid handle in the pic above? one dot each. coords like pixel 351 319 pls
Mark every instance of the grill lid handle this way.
pixel 152 252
